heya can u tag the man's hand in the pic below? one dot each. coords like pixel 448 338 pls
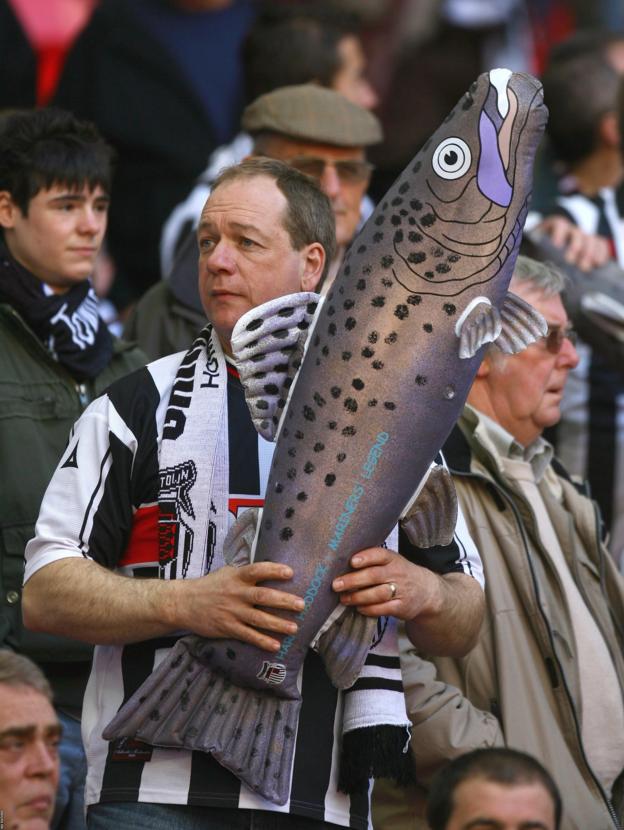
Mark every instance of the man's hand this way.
pixel 442 613
pixel 225 604
pixel 384 583
pixel 586 251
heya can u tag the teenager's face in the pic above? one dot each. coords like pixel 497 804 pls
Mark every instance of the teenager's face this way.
pixel 59 238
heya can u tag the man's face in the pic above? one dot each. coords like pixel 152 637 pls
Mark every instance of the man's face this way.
pixel 246 256
pixel 525 390
pixel 485 805
pixel 29 763
pixel 60 237
pixel 344 184
pixel 350 79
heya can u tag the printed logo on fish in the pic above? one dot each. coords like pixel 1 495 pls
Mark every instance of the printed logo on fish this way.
pixel 273 673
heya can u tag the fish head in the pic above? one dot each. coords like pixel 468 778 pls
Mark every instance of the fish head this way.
pixel 456 213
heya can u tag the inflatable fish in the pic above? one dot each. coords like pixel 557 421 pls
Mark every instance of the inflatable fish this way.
pixel 389 360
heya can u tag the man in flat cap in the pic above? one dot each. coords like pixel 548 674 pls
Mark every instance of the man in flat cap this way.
pixel 316 130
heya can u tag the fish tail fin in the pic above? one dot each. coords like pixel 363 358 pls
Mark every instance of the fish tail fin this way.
pixel 185 705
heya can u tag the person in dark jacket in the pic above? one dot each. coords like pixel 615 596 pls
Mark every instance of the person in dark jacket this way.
pixel 56 354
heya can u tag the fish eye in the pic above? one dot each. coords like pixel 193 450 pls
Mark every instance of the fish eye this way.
pixel 451 158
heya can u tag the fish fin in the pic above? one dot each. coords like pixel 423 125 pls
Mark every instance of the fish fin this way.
pixel 239 541
pixel 343 643
pixel 479 324
pixel 185 705
pixel 268 344
pixel 431 519
pixel 522 325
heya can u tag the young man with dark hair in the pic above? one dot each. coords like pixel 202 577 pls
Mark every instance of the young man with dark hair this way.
pixel 56 354
pixel 494 788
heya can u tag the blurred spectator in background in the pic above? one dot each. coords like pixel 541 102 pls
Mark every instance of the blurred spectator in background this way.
pixel 581 94
pixel 55 356
pixel 29 736
pixel 162 80
pixel 500 789
pixel 287 45
pixel 316 130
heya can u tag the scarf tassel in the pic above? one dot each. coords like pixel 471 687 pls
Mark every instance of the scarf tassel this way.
pixel 375 752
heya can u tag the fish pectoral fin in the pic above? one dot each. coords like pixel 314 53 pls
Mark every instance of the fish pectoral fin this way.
pixel 239 542
pixel 431 519
pixel 522 325
pixel 479 324
pixel 185 705
pixel 268 344
pixel 343 644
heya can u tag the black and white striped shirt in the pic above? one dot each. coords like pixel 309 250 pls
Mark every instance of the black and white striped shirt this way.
pixel 107 510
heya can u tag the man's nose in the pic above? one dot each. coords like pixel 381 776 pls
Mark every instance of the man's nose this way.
pixel 568 354
pixel 91 221
pixel 43 759
pixel 220 258
pixel 330 181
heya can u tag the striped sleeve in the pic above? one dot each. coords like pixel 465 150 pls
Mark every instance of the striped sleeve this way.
pixel 460 556
pixel 88 508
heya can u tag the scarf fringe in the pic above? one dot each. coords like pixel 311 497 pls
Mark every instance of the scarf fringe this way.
pixel 375 752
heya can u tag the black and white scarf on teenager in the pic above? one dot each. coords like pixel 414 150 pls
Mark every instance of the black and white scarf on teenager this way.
pixel 67 324
pixel 194 456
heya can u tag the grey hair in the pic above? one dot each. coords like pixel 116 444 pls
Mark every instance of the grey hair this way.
pixel 544 276
pixel 17 670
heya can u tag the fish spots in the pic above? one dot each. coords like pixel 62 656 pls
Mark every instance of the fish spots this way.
pixel 350 323
pixel 349 431
pixel 332 424
pixel 348 305
pixel 289 512
pixel 325 351
pixel 331 329
pixel 262 404
pixel 401 311
pixel 396 201
pixel 331 310
pixel 387 283
pixel 391 338
pixel 442 268
pixel 330 479
pixel 286 534
pixel 308 413
pixel 318 447
pixel 373 402
pixel 454 257
pixel 467 102
pixel 361 285
pixel 291 473
pixel 429 275
pixel 335 392
pixel 302 496
pixel 428 220
pixel 299 435
pixel 398 236
pixel 416 167
pixel 341 457
pixel 387 261
pixel 420 380
pixel 378 236
pixel 319 400
pixel 414 237
pixel 438 252
pixel 279 488
pixel 378 302
pixel 346 356
pixel 367 352
pixel 428 328
pixel 285 432
pixel 361 249
pixel 396 219
pixel 308 467
pixel 379 220
pixel 449 308
pixel 347 270
pixel 404 188
pixel 358 384
pixel 416 257
pixel 403 212
pixel 316 340
pixel 390 405
pixel 416 204
pixel 292 452
pixel 377 364
pixel 373 337
pixel 350 404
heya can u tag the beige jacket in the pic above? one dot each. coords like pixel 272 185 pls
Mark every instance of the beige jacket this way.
pixel 520 684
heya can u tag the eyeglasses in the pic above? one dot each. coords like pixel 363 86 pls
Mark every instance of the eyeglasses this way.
pixel 349 171
pixel 556 335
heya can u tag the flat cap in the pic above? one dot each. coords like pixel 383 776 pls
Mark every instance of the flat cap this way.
pixel 312 113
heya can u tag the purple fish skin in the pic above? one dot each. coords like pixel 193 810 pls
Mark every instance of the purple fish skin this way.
pixel 382 383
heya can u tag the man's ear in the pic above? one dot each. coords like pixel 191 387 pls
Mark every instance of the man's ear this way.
pixel 8 210
pixel 312 265
pixel 609 129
